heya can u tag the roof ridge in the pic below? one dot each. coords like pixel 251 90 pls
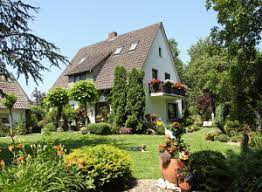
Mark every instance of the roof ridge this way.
pixel 135 30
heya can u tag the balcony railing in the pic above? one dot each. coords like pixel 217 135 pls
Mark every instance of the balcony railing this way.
pixel 166 88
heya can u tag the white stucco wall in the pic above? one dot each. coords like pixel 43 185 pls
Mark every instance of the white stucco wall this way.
pixel 18 115
pixel 164 64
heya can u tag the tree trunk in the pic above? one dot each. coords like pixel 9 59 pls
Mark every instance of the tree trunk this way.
pixel 11 126
pixel 86 116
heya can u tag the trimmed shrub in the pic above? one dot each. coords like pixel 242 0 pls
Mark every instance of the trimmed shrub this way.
pixel 211 135
pixel 99 128
pixel 4 130
pixel 103 164
pixel 51 127
pixel 221 138
pixel 204 163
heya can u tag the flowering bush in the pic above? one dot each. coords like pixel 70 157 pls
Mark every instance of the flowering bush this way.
pixel 173 144
pixel 40 170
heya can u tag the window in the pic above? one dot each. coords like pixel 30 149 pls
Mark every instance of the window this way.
pixel 82 60
pixel 171 111
pixel 118 50
pixel 133 46
pixel 160 51
pixel 154 74
pixel 167 76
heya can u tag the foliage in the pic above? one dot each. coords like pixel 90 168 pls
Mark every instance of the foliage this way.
pixel 204 105
pixel 4 130
pixel 43 170
pixel 125 130
pixel 85 93
pixel 232 127
pixel 39 111
pixel 256 140
pixel 20 49
pixel 118 97
pixel 221 138
pixel 20 128
pixel 211 135
pixel 102 164
pixel 192 128
pixel 178 62
pixel 173 143
pixel 135 100
pixel 219 116
pixel 100 128
pixel 204 163
pixel 236 138
pixel 240 33
pixel 38 97
pixel 57 97
pixel 240 21
pixel 9 100
pixel 51 127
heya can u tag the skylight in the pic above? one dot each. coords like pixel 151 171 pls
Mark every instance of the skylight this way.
pixel 133 46
pixel 82 60
pixel 118 50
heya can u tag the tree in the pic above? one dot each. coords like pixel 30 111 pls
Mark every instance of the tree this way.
pixel 135 100
pixel 240 33
pixel 118 97
pixel 58 98
pixel 19 48
pixel 208 69
pixel 38 96
pixel 9 101
pixel 85 93
pixel 178 63
pixel 241 24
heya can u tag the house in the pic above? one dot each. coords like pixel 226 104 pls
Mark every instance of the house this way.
pixel 146 48
pixel 22 105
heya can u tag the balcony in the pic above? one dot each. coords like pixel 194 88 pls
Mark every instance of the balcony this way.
pixel 166 88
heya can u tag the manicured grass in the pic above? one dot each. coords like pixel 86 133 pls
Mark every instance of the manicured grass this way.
pixel 145 165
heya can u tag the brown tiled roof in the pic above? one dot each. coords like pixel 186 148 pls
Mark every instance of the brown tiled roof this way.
pixel 87 63
pixel 128 59
pixel 23 101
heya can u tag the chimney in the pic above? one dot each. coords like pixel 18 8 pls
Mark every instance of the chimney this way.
pixel 111 36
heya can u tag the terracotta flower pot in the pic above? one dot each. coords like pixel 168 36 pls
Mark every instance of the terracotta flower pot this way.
pixel 184 186
pixel 169 171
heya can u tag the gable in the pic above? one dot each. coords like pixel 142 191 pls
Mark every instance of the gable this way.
pixel 163 64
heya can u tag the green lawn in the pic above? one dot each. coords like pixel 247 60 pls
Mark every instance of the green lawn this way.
pixel 145 165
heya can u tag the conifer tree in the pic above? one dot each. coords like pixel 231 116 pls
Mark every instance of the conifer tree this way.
pixel 118 97
pixel 135 100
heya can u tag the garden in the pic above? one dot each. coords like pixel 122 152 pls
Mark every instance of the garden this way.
pixel 58 149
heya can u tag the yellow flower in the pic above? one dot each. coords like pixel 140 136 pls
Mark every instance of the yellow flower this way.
pixel 159 123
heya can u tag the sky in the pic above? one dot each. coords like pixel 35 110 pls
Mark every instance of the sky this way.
pixel 72 24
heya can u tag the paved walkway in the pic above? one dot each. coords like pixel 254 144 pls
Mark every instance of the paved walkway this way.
pixel 147 185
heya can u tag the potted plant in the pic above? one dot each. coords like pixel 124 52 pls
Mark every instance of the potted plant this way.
pixel 178 89
pixel 173 153
pixel 167 85
pixel 154 85
pixel 184 175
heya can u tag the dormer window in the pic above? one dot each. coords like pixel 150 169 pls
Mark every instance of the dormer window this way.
pixel 133 46
pixel 160 52
pixel 118 50
pixel 82 60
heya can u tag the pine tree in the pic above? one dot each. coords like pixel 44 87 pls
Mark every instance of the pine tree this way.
pixel 135 106
pixel 118 97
